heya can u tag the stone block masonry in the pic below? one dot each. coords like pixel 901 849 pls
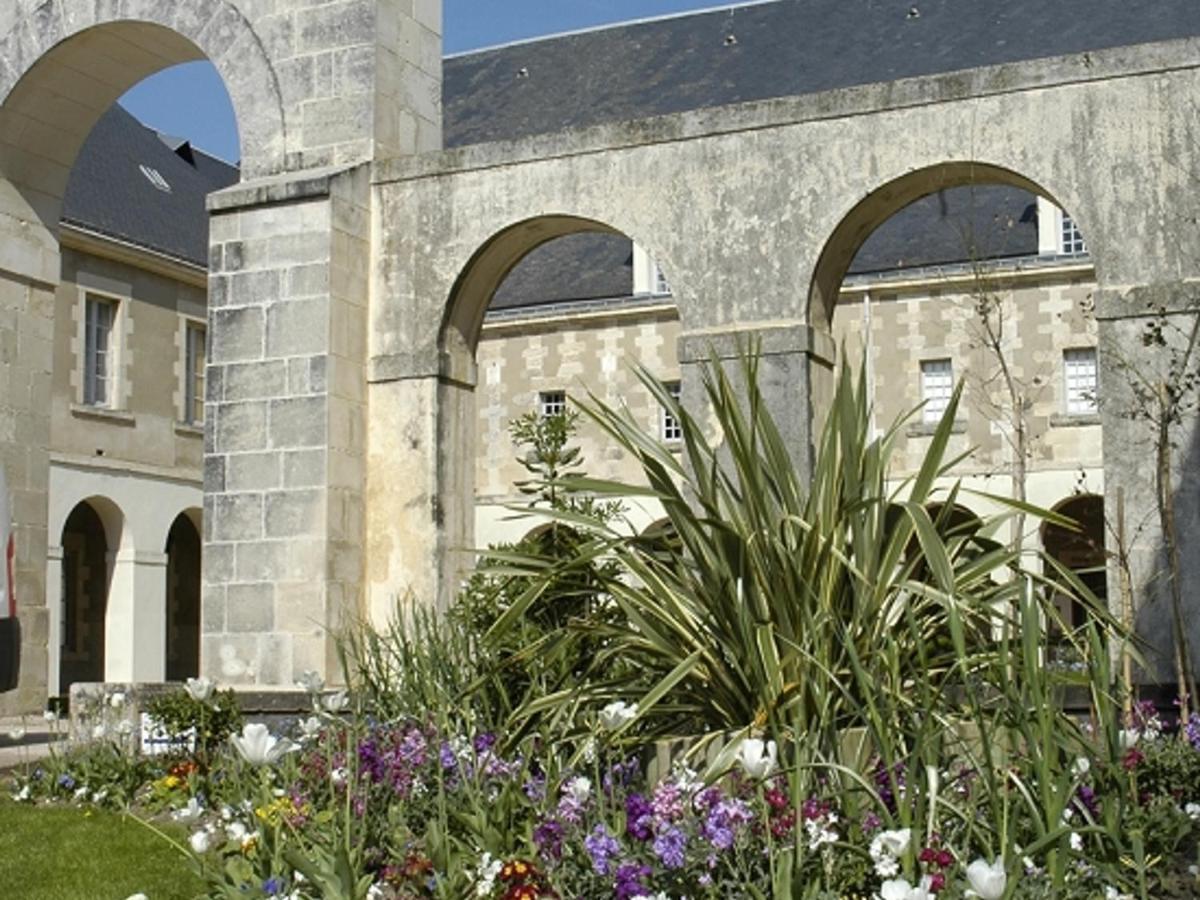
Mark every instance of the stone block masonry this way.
pixel 286 414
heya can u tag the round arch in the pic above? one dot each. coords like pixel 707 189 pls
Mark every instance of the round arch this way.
pixel 89 536
pixel 68 64
pixel 861 220
pixel 183 552
pixel 487 268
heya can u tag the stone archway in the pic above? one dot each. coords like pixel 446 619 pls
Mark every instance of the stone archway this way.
pixel 183 598
pixel 89 541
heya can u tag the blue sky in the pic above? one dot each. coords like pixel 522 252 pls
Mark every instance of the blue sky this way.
pixel 190 101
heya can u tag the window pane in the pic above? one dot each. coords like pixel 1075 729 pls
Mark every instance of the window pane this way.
pixel 1079 370
pixel 99 315
pixel 671 429
pixel 937 386
pixel 552 403
pixel 194 402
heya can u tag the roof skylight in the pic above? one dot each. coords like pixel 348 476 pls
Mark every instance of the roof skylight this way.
pixel 155 178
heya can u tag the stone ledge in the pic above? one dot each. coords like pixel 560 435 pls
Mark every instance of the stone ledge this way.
pixel 103 413
pixel 1065 420
pixel 927 429
pixel 286 188
pixel 773 340
pixel 187 429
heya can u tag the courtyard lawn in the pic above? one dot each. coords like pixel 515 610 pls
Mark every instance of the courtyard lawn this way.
pixel 65 853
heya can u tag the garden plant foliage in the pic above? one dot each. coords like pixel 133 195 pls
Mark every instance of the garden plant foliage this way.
pixel 858 678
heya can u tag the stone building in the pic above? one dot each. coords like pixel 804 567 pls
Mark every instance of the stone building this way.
pixel 356 384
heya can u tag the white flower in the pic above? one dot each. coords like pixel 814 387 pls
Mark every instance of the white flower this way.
pixel 899 889
pixel 125 727
pixel 579 789
pixel 886 848
pixel 137 897
pixel 309 728
pixel 617 714
pixel 199 689
pixel 1193 811
pixel 50 715
pixel 375 892
pixel 1082 766
pixel 987 880
pixel 117 700
pixel 200 841
pixel 335 702
pixel 17 734
pixel 256 745
pixel 485 878
pixel 1111 893
pixel 757 758
pixel 100 796
pixel 80 792
pixel 311 681
pixel 236 831
pixel 338 776
pixel 1076 841
pixel 1128 737
pixel 191 811
pixel 99 730
pixel 22 795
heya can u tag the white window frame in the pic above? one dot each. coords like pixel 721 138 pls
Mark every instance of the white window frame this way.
pixel 1070 239
pixel 670 428
pixel 661 287
pixel 101 365
pixel 195 347
pixel 937 387
pixel 552 403
pixel 1081 381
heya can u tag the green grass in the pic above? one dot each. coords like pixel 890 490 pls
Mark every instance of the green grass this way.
pixel 63 853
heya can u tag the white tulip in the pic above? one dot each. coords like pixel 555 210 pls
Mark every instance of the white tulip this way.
pixel 117 700
pixel 191 811
pixel 757 758
pixel 199 689
pixel 256 745
pixel 311 681
pixel 1127 738
pixel 899 889
pixel 617 714
pixel 334 703
pixel 200 842
pixel 50 715
pixel 99 730
pixel 579 789
pixel 310 728
pixel 137 897
pixel 895 843
pixel 987 880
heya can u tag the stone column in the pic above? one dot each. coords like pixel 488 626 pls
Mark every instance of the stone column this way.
pixel 54 600
pixel 286 425
pixel 795 363
pixel 135 626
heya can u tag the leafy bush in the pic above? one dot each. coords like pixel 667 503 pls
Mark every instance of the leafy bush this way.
pixel 207 723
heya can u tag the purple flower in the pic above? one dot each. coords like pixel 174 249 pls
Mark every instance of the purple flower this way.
pixel 548 836
pixel 1087 799
pixel 639 816
pixel 485 741
pixel 667 802
pixel 723 822
pixel 446 756
pixel 601 847
pixel 669 845
pixel 535 788
pixel 1192 730
pixel 66 781
pixel 630 881
pixel 273 886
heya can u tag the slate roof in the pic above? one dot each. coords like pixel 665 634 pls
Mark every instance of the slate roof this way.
pixel 776 49
pixel 108 192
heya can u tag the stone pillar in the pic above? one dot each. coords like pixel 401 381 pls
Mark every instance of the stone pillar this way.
pixel 54 600
pixel 286 424
pixel 135 623
pixel 795 362
pixel 1129 455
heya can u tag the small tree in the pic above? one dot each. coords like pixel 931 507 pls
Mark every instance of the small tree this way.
pixel 1162 393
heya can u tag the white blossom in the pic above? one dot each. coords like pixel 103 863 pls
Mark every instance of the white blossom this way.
pixel 199 689
pixel 117 700
pixel 987 880
pixel 256 745
pixel 757 758
pixel 311 681
pixel 200 841
pixel 617 714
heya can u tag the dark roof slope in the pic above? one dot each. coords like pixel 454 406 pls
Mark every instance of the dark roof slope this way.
pixel 773 50
pixel 576 267
pixel 977 222
pixel 110 193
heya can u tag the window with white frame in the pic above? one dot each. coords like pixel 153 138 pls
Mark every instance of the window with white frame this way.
pixel 1079 370
pixel 937 386
pixel 1071 240
pixel 193 399
pixel 671 429
pixel 99 357
pixel 662 287
pixel 552 403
